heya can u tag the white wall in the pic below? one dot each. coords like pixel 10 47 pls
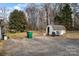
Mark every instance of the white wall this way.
pixel 58 32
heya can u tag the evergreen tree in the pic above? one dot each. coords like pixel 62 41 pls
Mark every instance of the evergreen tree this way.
pixel 65 17
pixel 17 21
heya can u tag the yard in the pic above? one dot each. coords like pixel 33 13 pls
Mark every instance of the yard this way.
pixel 20 35
pixel 69 34
pixel 39 45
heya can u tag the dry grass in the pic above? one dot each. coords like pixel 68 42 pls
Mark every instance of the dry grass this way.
pixel 69 34
pixel 37 33
pixel 16 35
pixel 72 34
pixel 23 34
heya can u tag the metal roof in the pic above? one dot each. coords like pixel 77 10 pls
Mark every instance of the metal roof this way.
pixel 57 27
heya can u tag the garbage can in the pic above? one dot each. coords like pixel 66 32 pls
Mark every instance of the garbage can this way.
pixel 29 34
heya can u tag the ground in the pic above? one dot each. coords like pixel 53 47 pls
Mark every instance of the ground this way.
pixel 41 46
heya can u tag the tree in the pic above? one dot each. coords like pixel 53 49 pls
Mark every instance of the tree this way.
pixel 31 13
pixel 40 15
pixel 65 17
pixel 51 11
pixel 17 21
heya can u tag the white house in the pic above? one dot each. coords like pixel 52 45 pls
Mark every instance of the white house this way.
pixel 55 29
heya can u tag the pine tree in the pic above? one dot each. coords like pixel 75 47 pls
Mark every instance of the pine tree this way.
pixel 65 17
pixel 17 21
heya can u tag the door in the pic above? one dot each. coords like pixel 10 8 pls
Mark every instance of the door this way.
pixel 48 30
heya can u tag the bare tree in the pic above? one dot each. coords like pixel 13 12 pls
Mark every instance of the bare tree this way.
pixel 42 15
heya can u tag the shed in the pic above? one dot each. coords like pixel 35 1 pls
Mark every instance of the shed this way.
pixel 57 29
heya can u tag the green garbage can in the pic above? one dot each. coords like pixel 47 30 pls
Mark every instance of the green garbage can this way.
pixel 29 34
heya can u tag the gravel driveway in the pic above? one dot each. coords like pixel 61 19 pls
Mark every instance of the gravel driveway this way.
pixel 41 46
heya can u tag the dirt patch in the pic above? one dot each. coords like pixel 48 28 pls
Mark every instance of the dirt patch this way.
pixel 41 47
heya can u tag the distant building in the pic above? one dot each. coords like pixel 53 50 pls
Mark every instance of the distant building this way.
pixel 1 27
pixel 55 29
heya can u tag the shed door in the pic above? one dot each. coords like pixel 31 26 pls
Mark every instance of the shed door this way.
pixel 48 30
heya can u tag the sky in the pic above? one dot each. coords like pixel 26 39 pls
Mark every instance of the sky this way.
pixel 11 6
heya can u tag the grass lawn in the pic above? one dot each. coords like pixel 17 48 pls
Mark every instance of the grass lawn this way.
pixel 23 34
pixel 69 34
pixel 16 35
pixel 72 34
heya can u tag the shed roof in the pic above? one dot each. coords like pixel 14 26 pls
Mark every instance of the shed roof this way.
pixel 58 27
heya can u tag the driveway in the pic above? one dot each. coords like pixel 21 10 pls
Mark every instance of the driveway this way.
pixel 41 46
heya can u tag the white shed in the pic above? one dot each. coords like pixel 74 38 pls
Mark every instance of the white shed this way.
pixel 57 29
